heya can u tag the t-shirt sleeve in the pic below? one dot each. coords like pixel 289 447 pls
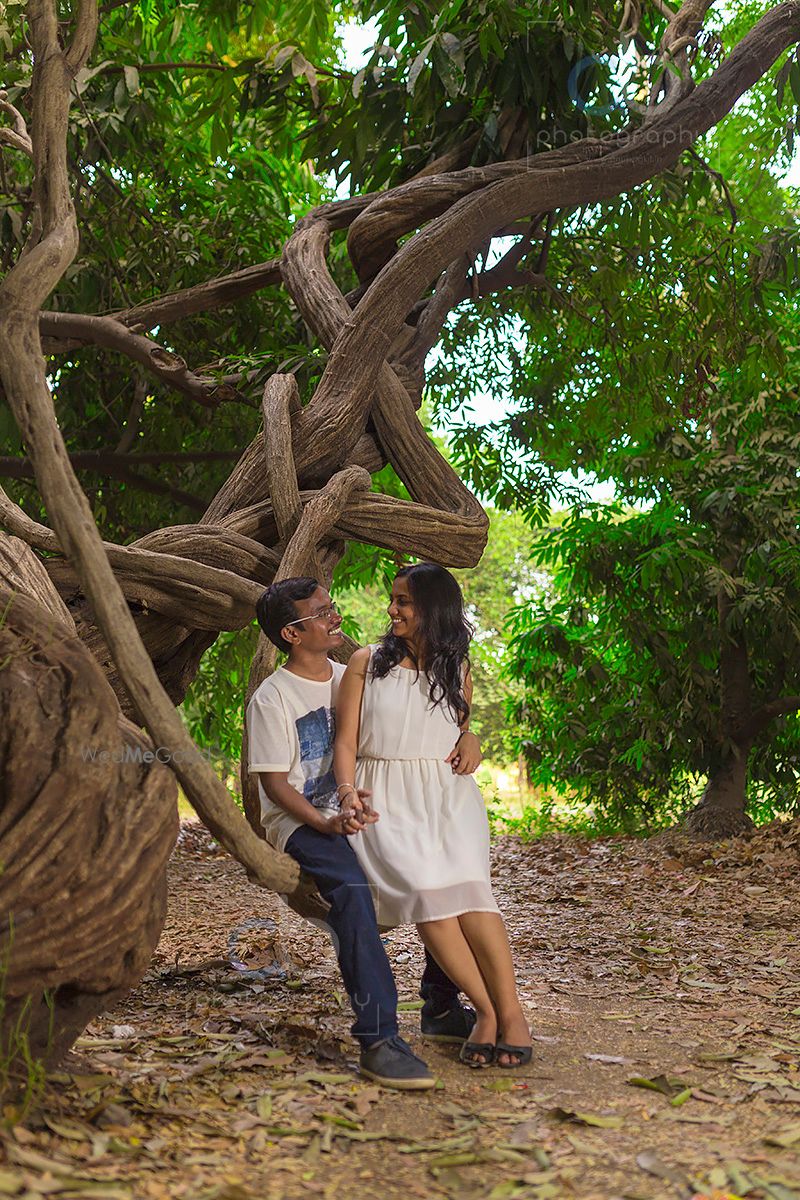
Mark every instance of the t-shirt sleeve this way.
pixel 269 739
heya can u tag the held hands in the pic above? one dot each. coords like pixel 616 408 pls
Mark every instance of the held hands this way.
pixel 465 757
pixel 356 812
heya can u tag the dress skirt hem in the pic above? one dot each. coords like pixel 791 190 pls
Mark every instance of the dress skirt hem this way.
pixel 460 913
pixel 401 902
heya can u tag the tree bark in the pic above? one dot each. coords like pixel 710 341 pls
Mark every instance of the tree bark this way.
pixel 88 818
pixel 721 812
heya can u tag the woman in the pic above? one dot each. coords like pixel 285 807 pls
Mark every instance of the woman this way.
pixel 402 719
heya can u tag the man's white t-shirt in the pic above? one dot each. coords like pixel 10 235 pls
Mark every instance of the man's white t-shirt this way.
pixel 291 726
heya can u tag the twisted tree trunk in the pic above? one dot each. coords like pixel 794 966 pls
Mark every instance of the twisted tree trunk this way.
pixel 147 612
pixel 88 818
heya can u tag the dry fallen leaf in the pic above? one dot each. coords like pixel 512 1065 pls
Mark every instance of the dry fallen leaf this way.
pixel 650 1162
pixel 586 1118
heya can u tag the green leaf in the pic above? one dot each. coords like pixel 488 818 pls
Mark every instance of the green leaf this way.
pixel 419 63
pixel 86 74
pixel 794 80
pixel 220 138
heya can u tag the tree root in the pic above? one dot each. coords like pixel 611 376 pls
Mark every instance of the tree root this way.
pixel 705 823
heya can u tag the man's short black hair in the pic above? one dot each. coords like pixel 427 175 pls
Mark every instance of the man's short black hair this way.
pixel 276 607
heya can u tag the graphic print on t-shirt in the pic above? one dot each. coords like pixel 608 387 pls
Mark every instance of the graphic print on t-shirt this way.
pixel 316 732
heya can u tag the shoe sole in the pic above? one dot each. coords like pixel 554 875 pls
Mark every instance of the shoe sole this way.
pixel 400 1085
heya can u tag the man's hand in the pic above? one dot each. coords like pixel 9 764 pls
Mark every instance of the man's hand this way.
pixel 356 813
pixel 347 821
pixel 465 757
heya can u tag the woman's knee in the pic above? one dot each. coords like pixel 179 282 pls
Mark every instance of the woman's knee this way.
pixel 445 927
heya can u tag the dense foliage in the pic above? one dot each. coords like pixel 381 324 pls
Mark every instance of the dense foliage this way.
pixel 621 664
pixel 174 185
pixel 649 325
pixel 630 695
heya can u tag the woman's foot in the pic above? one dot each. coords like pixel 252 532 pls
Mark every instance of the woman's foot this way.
pixel 483 1033
pixel 514 1031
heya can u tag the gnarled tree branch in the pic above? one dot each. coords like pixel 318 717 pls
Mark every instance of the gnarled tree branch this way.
pixel 49 251
pixel 167 366
pixel 17 136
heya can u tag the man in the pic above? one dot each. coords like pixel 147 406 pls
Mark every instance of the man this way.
pixel 291 727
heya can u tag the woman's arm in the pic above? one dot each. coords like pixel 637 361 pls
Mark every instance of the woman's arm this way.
pixel 280 792
pixel 348 718
pixel 465 757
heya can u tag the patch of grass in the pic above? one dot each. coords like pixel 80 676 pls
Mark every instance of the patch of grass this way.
pixel 546 814
pixel 185 810
pixel 22 1075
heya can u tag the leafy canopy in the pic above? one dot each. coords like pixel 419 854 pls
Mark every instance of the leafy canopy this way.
pixel 620 664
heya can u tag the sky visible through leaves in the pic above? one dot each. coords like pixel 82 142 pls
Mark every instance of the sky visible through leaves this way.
pixel 479 407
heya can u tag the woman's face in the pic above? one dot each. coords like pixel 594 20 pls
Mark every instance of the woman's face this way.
pixel 402 612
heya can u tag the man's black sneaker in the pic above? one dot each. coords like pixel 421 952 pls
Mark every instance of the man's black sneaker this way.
pixel 455 1025
pixel 393 1063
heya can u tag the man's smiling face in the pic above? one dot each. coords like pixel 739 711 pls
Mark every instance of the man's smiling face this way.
pixel 318 626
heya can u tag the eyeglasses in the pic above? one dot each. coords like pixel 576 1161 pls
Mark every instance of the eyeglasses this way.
pixel 324 614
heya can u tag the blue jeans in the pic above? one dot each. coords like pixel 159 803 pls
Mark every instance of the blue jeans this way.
pixel 436 988
pixel 367 976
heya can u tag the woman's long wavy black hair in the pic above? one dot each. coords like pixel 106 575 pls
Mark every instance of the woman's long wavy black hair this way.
pixel 444 637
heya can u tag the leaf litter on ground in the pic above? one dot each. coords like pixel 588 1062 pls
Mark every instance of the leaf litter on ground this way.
pixel 200 1088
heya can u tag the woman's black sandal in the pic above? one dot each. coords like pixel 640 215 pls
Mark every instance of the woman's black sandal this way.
pixel 470 1049
pixel 521 1053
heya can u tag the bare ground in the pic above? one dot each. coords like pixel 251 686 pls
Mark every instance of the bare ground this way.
pixel 667 963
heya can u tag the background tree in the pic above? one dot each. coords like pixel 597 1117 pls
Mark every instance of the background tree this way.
pixel 669 647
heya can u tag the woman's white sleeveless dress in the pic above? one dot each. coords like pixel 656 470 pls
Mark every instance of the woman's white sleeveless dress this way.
pixel 427 857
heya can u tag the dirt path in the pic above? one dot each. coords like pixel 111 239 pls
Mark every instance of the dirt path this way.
pixel 633 963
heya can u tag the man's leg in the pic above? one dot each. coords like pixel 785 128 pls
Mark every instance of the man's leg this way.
pixel 443 1018
pixel 365 969
pixel 436 987
pixel 367 976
